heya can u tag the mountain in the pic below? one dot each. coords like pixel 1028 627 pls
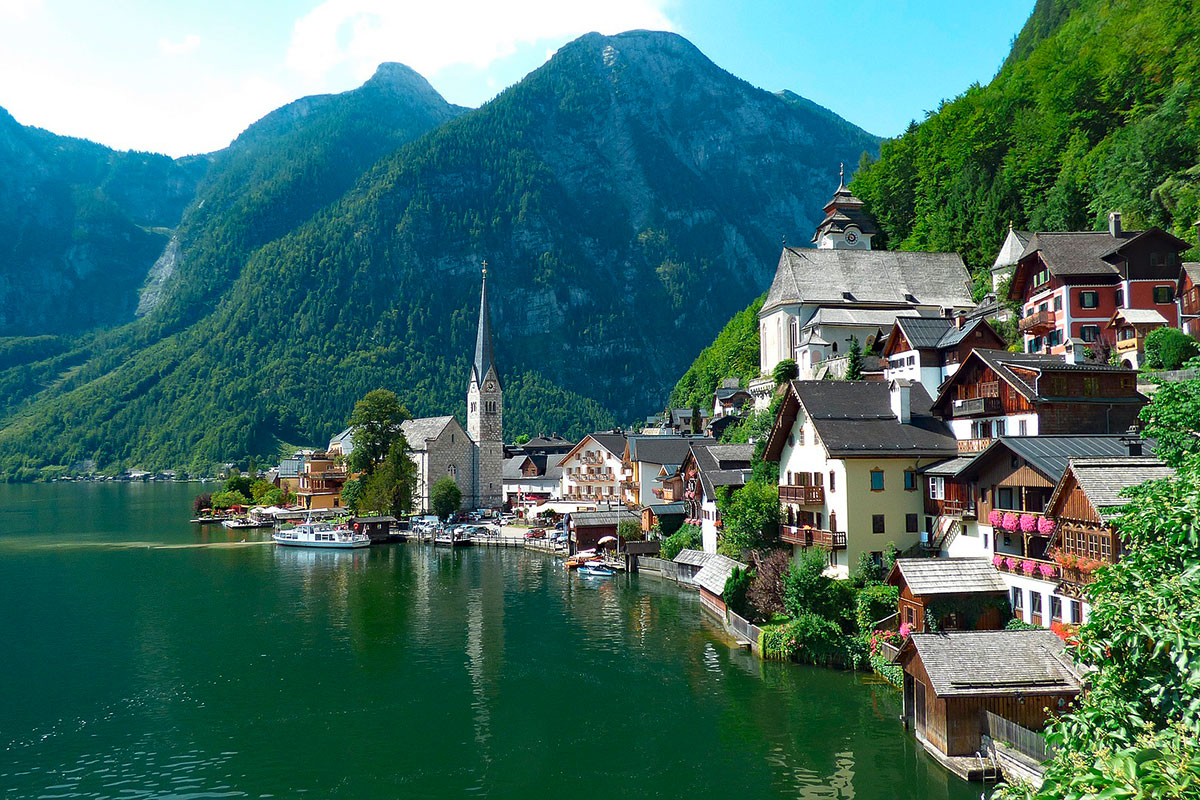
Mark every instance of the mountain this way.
pixel 80 226
pixel 628 195
pixel 733 354
pixel 1096 108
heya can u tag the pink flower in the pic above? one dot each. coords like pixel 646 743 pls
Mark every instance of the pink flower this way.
pixel 1047 570
pixel 995 518
pixel 1009 523
pixel 1045 526
pixel 1028 567
pixel 905 630
pixel 997 560
pixel 1010 563
pixel 1028 523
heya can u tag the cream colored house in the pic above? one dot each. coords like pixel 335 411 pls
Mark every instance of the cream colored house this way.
pixel 848 454
pixel 592 470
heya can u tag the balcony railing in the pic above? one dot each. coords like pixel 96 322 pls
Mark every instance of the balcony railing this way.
pixel 802 495
pixel 813 537
pixel 973 445
pixel 976 405
pixel 1126 345
pixel 1039 322
pixel 1037 568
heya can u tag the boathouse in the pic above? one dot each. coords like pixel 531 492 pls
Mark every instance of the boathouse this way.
pixel 587 528
pixel 956 683
pixel 711 579
pixel 953 593
pixel 378 528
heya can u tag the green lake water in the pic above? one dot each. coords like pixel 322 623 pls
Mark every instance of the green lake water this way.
pixel 141 657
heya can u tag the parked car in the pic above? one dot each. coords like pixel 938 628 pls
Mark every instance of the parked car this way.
pixel 536 533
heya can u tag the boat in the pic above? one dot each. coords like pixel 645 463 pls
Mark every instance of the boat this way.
pixel 597 570
pixel 321 534
pixel 579 559
pixel 239 523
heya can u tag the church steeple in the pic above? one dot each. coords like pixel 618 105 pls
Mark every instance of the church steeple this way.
pixel 484 358
pixel 846 225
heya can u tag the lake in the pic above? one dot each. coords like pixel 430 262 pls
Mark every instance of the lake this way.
pixel 143 657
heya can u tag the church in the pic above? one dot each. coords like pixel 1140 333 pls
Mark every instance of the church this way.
pixel 439 445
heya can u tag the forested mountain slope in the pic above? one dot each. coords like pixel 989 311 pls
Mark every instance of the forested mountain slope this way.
pixel 80 225
pixel 1097 108
pixel 628 196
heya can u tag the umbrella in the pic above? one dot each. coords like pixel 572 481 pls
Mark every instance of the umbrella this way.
pixel 606 539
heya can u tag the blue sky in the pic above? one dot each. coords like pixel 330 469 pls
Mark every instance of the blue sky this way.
pixel 181 78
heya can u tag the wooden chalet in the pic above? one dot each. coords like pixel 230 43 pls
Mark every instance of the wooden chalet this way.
pixel 954 593
pixel 587 528
pixel 1187 294
pixel 1127 330
pixel 930 349
pixel 1085 505
pixel 998 393
pixel 670 514
pixel 952 681
pixel 378 528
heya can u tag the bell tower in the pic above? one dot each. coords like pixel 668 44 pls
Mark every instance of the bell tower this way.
pixel 485 411
pixel 846 226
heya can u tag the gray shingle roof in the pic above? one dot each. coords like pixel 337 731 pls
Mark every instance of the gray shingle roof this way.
pixel 290 467
pixel 587 519
pixel 345 439
pixel 665 449
pixel 661 509
pixel 1192 270
pixel 1075 253
pixel 949 468
pixel 417 431
pixel 510 470
pixel 715 572
pixel 1002 363
pixel 870 276
pixel 925 333
pixel 1140 316
pixel 926 576
pixel 963 663
pixel 858 317
pixel 693 558
pixel 1103 479
pixel 612 442
pixel 722 465
pixel 1050 453
pixel 855 418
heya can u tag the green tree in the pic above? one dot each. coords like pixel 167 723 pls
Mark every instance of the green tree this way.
pixel 242 484
pixel 376 420
pixel 737 587
pixel 228 499
pixel 854 361
pixel 445 496
pixel 808 590
pixel 522 439
pixel 260 489
pixel 390 489
pixel 688 537
pixel 1172 419
pixel 352 491
pixel 630 530
pixel 750 517
pixel 785 371
pixel 1168 348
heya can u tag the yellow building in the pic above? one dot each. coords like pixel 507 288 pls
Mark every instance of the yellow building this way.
pixel 848 454
pixel 321 482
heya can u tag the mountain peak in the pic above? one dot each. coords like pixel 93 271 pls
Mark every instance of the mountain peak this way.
pixel 397 78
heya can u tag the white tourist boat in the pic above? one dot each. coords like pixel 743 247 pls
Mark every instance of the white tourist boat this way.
pixel 320 534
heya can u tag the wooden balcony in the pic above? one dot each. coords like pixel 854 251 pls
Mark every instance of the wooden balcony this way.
pixel 802 495
pixel 967 446
pixel 1039 322
pixel 813 537
pixel 1042 569
pixel 1128 345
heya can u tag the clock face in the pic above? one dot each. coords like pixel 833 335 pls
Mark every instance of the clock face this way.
pixel 851 236
pixel 491 387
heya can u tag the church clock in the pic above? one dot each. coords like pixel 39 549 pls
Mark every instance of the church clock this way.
pixel 851 236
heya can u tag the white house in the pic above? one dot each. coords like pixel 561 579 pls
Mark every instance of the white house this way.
pixel 706 468
pixel 591 471
pixel 930 349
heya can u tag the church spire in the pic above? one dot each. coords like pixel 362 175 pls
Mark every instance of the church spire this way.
pixel 484 359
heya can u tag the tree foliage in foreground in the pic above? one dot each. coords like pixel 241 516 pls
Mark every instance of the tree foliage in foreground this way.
pixel 445 496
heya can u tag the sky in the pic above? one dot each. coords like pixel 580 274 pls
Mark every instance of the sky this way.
pixel 187 77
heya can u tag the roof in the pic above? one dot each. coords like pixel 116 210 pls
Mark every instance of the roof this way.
pixel 591 519
pixel 949 468
pixel 1139 316
pixel 722 465
pixel 1191 269
pixel 989 663
pixel 345 440
pixel 1103 479
pixel 694 558
pixel 725 392
pixel 854 418
pixel 715 572
pixel 510 469
pixel 923 333
pixel 553 441
pixel 888 277
pixel 661 449
pixel 1050 453
pixel 860 317
pixel 418 431
pixel 926 576
pixel 290 467
pixel 665 509
pixel 1072 253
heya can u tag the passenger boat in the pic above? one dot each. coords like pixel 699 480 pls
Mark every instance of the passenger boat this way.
pixel 321 534
pixel 240 523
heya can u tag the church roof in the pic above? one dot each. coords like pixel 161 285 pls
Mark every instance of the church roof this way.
pixel 419 431
pixel 869 277
pixel 484 356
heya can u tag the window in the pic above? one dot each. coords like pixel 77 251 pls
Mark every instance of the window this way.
pixel 910 523
pixel 1091 387
pixel 876 481
pixel 1056 607
pixel 832 480
pixel 877 523
pixel 1163 295
pixel 1089 299
pixel 1119 298
pixel 937 488
pixel 1090 333
pixel 803 437
pixel 1035 603
pixel 1018 597
pixel 833 520
pixel 998 427
pixel 910 480
pixel 1022 427
pixel 1004 498
pixel 1073 611
pixel 791 440
pixel 1058 303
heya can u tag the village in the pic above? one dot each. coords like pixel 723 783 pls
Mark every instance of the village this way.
pixel 900 433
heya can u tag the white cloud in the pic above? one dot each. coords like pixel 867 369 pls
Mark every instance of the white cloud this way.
pixel 430 36
pixel 187 44
pixel 18 9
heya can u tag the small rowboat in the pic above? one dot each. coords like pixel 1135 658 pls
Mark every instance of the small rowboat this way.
pixel 597 570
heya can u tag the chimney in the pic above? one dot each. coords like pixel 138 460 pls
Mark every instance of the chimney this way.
pixel 959 318
pixel 1132 442
pixel 1114 224
pixel 901 397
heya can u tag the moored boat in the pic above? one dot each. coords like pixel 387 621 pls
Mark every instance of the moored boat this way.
pixel 597 570
pixel 321 534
